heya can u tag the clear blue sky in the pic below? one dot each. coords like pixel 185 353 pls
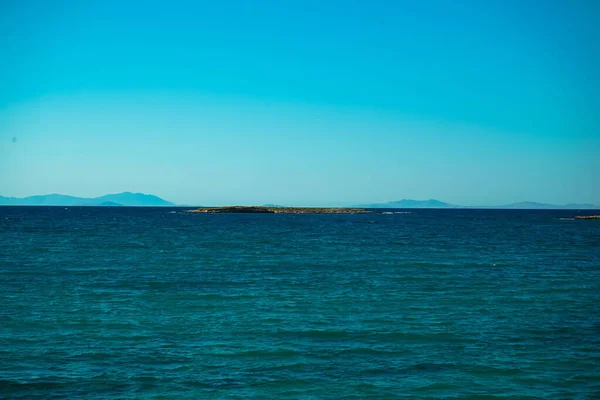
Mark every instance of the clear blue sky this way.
pixel 302 102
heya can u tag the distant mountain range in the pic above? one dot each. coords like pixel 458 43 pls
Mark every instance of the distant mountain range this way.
pixel 406 203
pixel 526 205
pixel 140 199
pixel 531 205
pixel 117 199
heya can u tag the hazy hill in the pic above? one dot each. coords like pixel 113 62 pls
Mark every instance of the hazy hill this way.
pixel 532 205
pixel 407 203
pixel 134 199
pixel 118 199
pixel 525 205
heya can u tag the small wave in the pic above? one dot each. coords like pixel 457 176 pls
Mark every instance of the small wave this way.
pixel 437 386
pixel 396 212
pixel 317 334
pixel 258 353
pixel 298 366
pixel 368 351
pixel 45 384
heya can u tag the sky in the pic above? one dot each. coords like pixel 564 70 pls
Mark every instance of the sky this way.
pixel 302 102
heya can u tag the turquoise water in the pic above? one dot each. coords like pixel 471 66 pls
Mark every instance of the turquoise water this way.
pixel 103 303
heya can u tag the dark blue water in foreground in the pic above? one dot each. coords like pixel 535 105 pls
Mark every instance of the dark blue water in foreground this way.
pixel 151 303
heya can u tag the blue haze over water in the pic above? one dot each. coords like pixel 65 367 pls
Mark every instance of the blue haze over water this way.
pixel 149 302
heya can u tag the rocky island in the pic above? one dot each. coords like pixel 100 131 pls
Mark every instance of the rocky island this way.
pixel 279 210
pixel 587 217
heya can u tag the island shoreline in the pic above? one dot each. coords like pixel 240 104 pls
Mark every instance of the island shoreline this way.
pixel 279 210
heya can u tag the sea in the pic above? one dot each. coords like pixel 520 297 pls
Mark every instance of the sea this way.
pixel 156 303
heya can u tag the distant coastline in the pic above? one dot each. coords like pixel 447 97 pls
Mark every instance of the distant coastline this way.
pixel 128 199
pixel 524 205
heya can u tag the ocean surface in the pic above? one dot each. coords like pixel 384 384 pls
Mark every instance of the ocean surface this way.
pixel 154 303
